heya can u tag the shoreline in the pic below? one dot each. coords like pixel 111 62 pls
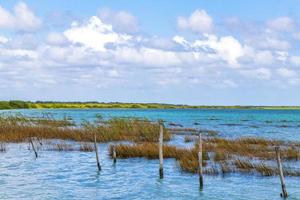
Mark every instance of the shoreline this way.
pixel 11 105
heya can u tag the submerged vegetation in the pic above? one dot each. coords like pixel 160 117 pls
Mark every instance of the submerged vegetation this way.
pixel 17 104
pixel 220 155
pixel 19 129
pixel 244 155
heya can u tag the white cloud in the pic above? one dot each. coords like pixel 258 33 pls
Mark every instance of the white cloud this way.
pixel 121 21
pixel 3 39
pixel 260 73
pixel 94 34
pixel 92 53
pixel 282 55
pixel 295 60
pixel 273 43
pixel 281 24
pixel 264 58
pixel 226 48
pixel 199 22
pixel 23 18
pixel 146 56
pixel 55 38
pixel 287 73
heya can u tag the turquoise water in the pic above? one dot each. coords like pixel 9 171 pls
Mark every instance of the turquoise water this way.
pixel 276 124
pixel 73 175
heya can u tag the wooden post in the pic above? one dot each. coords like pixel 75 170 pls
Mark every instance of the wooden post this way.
pixel 35 152
pixel 114 154
pixel 161 158
pixel 200 171
pixel 96 150
pixel 284 192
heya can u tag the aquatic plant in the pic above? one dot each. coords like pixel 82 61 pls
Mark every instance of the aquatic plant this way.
pixel 189 138
pixel 61 146
pixel 146 150
pixel 86 147
pixel 19 128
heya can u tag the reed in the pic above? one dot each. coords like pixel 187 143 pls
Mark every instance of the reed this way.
pixel 146 150
pixel 189 138
pixel 86 147
pixel 220 156
pixel 262 168
pixel 265 170
pixel 187 158
pixel 19 129
pixel 212 170
pixel 226 168
pixel 251 148
pixel 244 165
pixel 60 147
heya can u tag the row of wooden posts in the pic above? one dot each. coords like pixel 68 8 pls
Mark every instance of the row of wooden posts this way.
pixel 200 156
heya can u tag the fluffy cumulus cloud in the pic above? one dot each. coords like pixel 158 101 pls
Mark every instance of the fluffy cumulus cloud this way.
pixel 199 22
pixel 259 73
pixel 295 60
pixel 281 24
pixel 121 20
pixel 225 48
pixel 95 34
pixel 100 52
pixel 287 73
pixel 3 39
pixel 22 18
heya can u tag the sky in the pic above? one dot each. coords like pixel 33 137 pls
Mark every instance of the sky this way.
pixel 202 52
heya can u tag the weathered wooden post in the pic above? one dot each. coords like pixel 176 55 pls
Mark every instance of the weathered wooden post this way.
pixel 96 150
pixel 35 152
pixel 160 148
pixel 114 154
pixel 284 192
pixel 200 171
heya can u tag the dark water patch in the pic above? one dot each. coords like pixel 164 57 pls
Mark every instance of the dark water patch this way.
pixel 230 124
pixel 285 121
pixel 175 124
pixel 268 122
pixel 213 118
pixel 245 120
pixel 283 126
pixel 197 123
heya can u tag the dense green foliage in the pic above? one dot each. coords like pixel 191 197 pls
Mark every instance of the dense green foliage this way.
pixel 16 104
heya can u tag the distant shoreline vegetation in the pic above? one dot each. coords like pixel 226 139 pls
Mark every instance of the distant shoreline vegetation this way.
pixel 17 104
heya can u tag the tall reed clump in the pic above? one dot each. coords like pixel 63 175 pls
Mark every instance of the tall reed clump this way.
pixel 146 150
pixel 86 147
pixel 251 147
pixel 187 158
pixel 19 128
pixel 61 146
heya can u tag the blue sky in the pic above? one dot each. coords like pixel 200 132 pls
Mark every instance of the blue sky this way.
pixel 193 52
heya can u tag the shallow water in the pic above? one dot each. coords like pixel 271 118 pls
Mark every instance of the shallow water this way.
pixel 73 175
pixel 276 124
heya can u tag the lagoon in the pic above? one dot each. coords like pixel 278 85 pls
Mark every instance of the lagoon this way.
pixel 73 175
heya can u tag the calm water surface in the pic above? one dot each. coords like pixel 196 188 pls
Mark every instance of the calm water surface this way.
pixel 73 175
